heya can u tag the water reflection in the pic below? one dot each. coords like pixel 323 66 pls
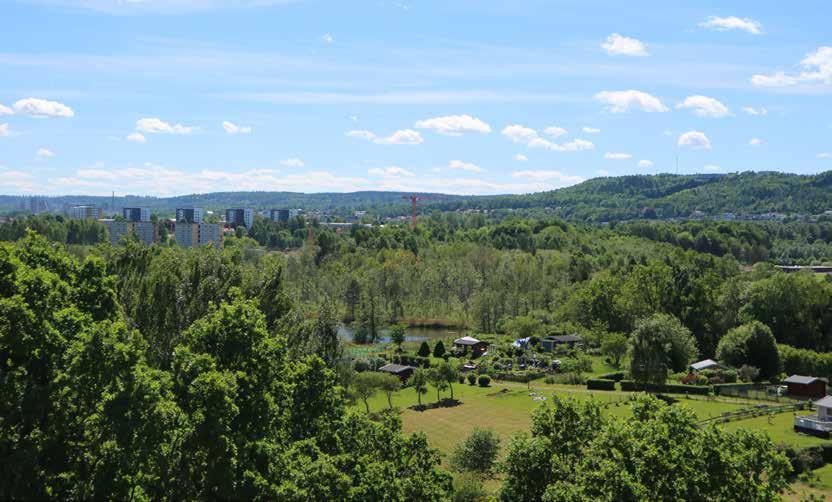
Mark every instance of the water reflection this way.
pixel 414 334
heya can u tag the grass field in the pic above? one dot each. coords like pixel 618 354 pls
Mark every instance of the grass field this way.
pixel 779 428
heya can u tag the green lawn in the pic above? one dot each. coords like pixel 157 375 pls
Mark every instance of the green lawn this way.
pixel 819 484
pixel 780 428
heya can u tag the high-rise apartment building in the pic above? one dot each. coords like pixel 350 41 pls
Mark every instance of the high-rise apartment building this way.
pixel 189 214
pixel 190 235
pixel 85 212
pixel 244 217
pixel 282 215
pixel 136 213
pixel 145 231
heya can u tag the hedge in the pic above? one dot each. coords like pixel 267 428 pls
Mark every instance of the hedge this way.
pixel 631 386
pixel 600 384
pixel 739 387
pixel 518 377
pixel 616 376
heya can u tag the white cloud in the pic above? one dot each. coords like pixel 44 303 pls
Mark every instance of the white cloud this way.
pixel 520 157
pixel 630 100
pixel 4 130
pixel 530 138
pixel 618 45
pixel 232 128
pixel 548 175
pixel 389 171
pixel 825 155
pixel 645 163
pixel 750 110
pixel 157 126
pixel 292 162
pixel 5 110
pixel 705 106
pixel 712 168
pixel 817 68
pixel 454 125
pixel 17 181
pixel 44 153
pixel 402 137
pixel 465 166
pixel 755 142
pixel 695 139
pixel 732 23
pixel 41 108
pixel 327 38
pixel 617 156
pixel 590 130
pixel 136 137
pixel 555 131
pixel 603 172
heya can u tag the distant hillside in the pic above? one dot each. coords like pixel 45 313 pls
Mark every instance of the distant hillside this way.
pixel 599 199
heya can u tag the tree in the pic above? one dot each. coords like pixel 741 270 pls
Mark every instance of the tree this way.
pixel 424 349
pixel 352 297
pixel 751 344
pixel 389 384
pixel 437 379
pixel 398 333
pixel 366 384
pixel 614 346
pixel 449 373
pixel 439 349
pixel 420 383
pixel 478 452
pixel 522 326
pixel 748 373
pixel 577 366
pixel 658 345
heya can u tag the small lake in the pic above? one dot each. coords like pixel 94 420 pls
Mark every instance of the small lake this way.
pixel 414 334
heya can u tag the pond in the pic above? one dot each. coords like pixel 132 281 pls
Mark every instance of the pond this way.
pixel 414 334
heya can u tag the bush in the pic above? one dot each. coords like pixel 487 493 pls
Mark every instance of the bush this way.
pixel 484 381
pixel 361 365
pixel 616 376
pixel 478 452
pixel 461 379
pixel 631 386
pixel 469 487
pixel 397 359
pixel 600 384
pixel 472 378
pixel 748 373
pixel 424 350
pixel 438 349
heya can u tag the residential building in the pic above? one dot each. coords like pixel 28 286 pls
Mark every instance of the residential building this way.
pixel 706 364
pixel 145 231
pixel 283 215
pixel 189 214
pixel 401 371
pixel 85 212
pixel 550 342
pixel 136 213
pixel 805 386
pixel 819 424
pixel 477 347
pixel 238 217
pixel 38 205
pixel 196 234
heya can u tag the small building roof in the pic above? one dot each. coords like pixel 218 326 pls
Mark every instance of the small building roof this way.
pixel 805 380
pixel 467 340
pixel 564 338
pixel 703 365
pixel 825 402
pixel 395 368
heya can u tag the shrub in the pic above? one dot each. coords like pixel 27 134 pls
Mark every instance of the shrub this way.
pixel 361 365
pixel 600 384
pixel 484 381
pixel 424 350
pixel 478 452
pixel 461 379
pixel 472 378
pixel 748 373
pixel 397 359
pixel 631 386
pixel 438 349
pixel 616 376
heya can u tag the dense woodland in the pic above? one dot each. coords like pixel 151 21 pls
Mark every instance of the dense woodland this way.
pixel 138 372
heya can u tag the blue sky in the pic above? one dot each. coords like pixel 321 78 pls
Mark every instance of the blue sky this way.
pixel 166 97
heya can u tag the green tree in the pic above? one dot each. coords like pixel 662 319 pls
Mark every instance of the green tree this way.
pixel 659 345
pixel 424 349
pixel 448 372
pixel 390 384
pixel 751 344
pixel 478 452
pixel 439 349
pixel 366 384
pixel 420 384
pixel 436 377
pixel 614 346
pixel 398 333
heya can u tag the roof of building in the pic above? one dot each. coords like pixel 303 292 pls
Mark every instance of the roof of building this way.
pixel 703 365
pixel 801 379
pixel 825 402
pixel 564 338
pixel 466 340
pixel 395 368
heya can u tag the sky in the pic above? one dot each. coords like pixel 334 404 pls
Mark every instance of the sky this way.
pixel 170 97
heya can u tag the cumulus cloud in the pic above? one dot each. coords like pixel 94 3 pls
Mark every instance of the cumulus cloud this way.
pixel 630 100
pixel 618 45
pixel 232 128
pixel 617 156
pixel 732 23
pixel 157 126
pixel 17 181
pixel 755 142
pixel 529 137
pixel 465 166
pixel 389 171
pixel 590 130
pixel 817 69
pixel 704 106
pixel 401 137
pixel 645 163
pixel 45 153
pixel 750 110
pixel 327 38
pixel 555 131
pixel 5 110
pixel 4 130
pixel 292 162
pixel 136 137
pixel 695 139
pixel 520 157
pixel 712 168
pixel 42 108
pixel 454 125
pixel 549 176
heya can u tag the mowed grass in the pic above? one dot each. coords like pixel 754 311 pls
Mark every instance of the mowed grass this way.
pixel 780 429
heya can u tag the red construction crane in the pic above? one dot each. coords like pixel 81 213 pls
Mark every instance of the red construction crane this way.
pixel 413 200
